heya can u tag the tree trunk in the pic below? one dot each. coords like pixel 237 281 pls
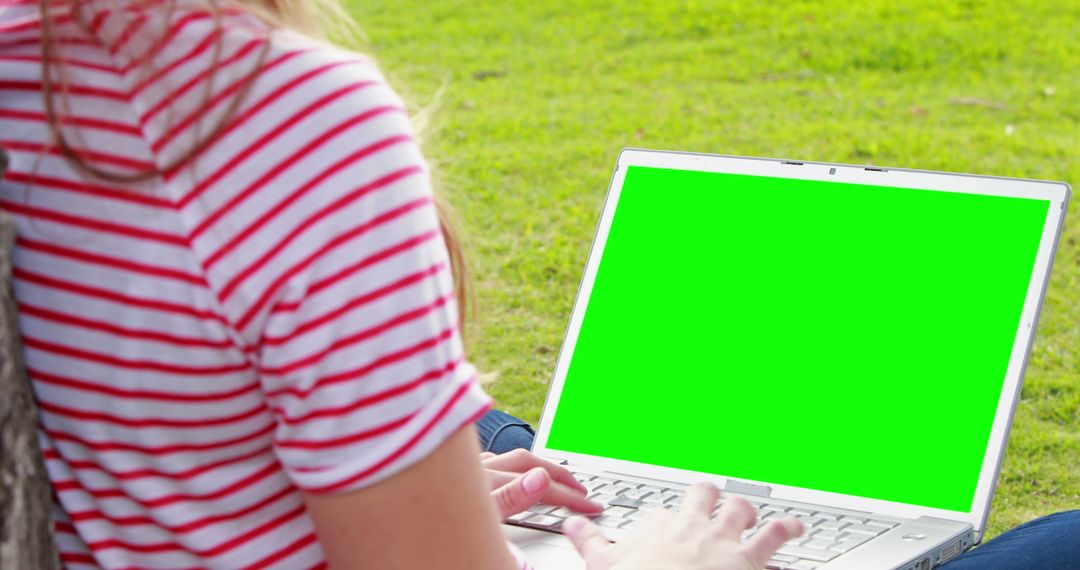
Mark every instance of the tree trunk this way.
pixel 26 531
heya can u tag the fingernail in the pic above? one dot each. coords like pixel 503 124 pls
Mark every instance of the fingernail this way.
pixel 534 481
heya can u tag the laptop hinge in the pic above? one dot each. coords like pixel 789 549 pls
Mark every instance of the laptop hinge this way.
pixel 747 488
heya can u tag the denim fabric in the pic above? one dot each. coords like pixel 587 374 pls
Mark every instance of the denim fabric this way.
pixel 1052 541
pixel 500 432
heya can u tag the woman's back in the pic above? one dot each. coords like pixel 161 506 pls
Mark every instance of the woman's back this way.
pixel 275 315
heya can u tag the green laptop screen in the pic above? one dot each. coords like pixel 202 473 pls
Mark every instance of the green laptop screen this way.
pixel 839 337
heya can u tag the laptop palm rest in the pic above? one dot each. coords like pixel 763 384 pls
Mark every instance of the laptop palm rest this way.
pixel 907 543
pixel 545 550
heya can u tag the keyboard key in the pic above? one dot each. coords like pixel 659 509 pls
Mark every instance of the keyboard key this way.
pixel 774 508
pixel 886 524
pixel 818 544
pixel 583 477
pixel 834 526
pixel 542 509
pixel 520 517
pixel 826 535
pixel 847 544
pixel 853 537
pixel 853 520
pixel 856 537
pixel 544 521
pixel 636 493
pixel 799 513
pixel 563 512
pixel 809 553
pixel 624 501
pixel 594 485
pixel 795 565
pixel 842 547
pixel 602 498
pixel 657 497
pixel 872 530
pixel 825 515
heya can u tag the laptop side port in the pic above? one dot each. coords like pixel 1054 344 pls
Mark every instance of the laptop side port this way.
pixel 950 551
pixel 923 564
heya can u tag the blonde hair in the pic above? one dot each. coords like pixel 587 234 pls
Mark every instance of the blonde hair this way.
pixel 321 19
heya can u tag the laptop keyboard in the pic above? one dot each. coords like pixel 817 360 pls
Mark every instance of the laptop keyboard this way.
pixel 827 536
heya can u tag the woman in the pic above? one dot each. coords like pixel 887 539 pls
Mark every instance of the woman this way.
pixel 238 306
pixel 239 309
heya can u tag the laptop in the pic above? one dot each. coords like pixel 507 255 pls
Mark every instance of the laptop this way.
pixel 845 344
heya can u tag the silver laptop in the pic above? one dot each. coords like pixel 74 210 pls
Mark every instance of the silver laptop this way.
pixel 844 344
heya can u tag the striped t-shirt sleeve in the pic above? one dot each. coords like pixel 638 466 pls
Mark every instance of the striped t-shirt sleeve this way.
pixel 330 264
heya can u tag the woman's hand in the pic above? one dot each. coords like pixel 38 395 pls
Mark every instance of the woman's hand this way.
pixel 688 539
pixel 520 479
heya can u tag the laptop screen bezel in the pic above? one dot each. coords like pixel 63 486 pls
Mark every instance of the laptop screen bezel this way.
pixel 1056 192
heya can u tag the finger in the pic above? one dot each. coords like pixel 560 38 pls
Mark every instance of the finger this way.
pixel 587 538
pixel 771 537
pixel 521 460
pixel 735 516
pixel 521 493
pixel 700 499
pixel 500 478
pixel 563 475
pixel 563 496
pixel 556 494
pixel 486 455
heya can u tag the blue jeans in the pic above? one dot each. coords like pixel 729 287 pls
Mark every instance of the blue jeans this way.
pixel 1050 542
pixel 500 432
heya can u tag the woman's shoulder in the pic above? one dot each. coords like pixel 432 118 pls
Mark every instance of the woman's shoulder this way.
pixel 307 97
pixel 315 71
pixel 274 94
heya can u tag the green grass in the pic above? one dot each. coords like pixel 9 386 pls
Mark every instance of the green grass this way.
pixel 531 101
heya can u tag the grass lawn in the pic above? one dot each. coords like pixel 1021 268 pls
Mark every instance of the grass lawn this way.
pixel 529 103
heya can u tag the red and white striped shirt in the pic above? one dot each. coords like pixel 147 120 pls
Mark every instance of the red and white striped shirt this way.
pixel 277 315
